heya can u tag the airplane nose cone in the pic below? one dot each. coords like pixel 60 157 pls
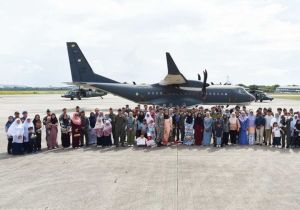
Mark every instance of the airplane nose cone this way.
pixel 252 98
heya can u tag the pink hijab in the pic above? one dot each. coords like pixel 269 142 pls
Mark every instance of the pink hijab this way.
pixel 76 119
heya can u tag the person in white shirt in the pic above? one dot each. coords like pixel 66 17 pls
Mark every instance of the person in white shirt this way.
pixel 268 127
pixel 277 119
pixel 141 141
pixel 276 131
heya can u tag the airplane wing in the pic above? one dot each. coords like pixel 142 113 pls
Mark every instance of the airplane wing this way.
pixel 174 76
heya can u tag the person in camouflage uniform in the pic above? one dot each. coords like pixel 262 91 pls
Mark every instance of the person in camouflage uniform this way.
pixel 159 125
pixel 120 127
pixel 112 118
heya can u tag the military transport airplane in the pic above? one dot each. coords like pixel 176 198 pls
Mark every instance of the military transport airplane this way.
pixel 174 89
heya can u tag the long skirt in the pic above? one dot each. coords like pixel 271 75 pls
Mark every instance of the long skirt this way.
pixel 26 147
pixel 92 137
pixel 107 141
pixel 207 138
pixel 53 138
pixel 38 141
pixel 130 137
pixel 167 130
pixel 75 141
pixel 17 148
pixel 65 140
pixel 243 139
pixel 198 134
pixel 100 141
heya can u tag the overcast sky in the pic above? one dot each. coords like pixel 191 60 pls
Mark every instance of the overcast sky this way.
pixel 252 42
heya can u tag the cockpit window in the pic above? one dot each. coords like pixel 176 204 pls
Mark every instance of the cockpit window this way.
pixel 242 91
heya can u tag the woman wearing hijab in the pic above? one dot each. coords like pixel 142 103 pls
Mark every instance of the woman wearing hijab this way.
pixel 167 127
pixel 26 142
pixel 293 123
pixel 148 117
pixel 189 130
pixel 99 126
pixel 107 130
pixel 251 127
pixel 199 128
pixel 16 130
pixel 65 127
pixel 234 126
pixel 92 134
pixel 53 126
pixel 37 123
pixel 296 125
pixel 76 130
pixel 139 123
pixel 9 138
pixel 130 129
pixel 244 122
pixel 208 124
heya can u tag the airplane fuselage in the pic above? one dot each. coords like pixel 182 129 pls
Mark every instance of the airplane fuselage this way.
pixel 178 95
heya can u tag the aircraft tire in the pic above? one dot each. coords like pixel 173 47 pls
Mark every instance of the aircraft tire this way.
pixel 72 98
pixel 261 100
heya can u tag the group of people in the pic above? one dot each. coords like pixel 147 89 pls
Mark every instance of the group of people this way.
pixel 155 126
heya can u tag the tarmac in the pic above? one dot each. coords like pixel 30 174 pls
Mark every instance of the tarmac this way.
pixel 175 177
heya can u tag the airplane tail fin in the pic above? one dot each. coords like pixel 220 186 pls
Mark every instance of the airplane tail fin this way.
pixel 172 68
pixel 80 68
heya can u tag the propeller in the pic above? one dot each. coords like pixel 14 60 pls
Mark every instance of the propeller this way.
pixel 199 77
pixel 204 83
pixel 134 82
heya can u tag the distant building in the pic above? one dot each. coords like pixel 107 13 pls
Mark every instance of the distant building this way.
pixel 288 89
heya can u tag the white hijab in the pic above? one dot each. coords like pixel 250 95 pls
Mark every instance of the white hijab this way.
pixel 16 130
pixel 148 117
pixel 26 126
pixel 99 124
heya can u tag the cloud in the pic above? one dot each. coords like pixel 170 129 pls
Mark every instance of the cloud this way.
pixel 251 41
